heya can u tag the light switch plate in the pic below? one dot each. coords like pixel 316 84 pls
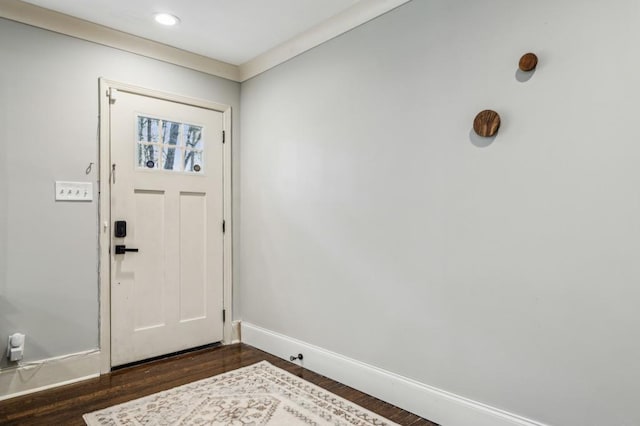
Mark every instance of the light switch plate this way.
pixel 74 191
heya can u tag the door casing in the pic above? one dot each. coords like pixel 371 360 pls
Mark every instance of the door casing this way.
pixel 105 221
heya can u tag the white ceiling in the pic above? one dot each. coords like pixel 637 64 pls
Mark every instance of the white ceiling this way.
pixel 232 31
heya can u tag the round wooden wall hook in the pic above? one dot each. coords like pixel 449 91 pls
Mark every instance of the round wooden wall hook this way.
pixel 486 123
pixel 528 62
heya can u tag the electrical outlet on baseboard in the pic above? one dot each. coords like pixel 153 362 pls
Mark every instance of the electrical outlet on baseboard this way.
pixel 15 347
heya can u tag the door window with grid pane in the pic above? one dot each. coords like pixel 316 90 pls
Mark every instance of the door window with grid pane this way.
pixel 169 145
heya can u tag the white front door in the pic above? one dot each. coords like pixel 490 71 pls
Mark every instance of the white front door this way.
pixel 167 185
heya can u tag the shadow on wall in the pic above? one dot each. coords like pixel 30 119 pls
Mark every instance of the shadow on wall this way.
pixel 480 141
pixel 524 76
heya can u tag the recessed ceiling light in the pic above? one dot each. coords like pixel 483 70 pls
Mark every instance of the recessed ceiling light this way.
pixel 166 19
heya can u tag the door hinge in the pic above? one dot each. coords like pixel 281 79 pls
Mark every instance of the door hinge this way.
pixel 224 136
pixel 224 226
pixel 224 315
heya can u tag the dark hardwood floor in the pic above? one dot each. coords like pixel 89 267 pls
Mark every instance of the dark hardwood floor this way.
pixel 66 405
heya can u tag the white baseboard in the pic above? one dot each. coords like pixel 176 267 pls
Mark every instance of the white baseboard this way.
pixel 48 374
pixel 426 401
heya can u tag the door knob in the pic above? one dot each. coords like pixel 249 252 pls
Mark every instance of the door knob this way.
pixel 121 249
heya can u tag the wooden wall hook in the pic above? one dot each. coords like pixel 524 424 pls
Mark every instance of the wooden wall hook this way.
pixel 486 123
pixel 528 62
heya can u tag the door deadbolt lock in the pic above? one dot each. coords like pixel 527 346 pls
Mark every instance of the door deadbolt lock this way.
pixel 120 229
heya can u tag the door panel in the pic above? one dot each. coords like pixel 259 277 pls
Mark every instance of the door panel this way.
pixel 167 170
pixel 193 256
pixel 148 218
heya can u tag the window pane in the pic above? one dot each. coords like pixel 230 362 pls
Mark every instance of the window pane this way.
pixel 170 133
pixel 193 162
pixel 193 136
pixel 148 129
pixel 171 158
pixel 168 145
pixel 147 156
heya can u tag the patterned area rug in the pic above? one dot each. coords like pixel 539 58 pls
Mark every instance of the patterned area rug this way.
pixel 260 394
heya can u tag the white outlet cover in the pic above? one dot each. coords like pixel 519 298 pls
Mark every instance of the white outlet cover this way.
pixel 74 191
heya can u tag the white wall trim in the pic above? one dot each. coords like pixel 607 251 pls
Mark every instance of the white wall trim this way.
pixel 352 17
pixel 236 335
pixel 105 208
pixel 26 13
pixel 49 373
pixel 358 14
pixel 427 401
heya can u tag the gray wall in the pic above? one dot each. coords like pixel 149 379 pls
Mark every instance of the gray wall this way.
pixel 374 225
pixel 48 132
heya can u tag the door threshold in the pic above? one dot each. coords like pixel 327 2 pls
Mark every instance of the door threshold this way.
pixel 169 355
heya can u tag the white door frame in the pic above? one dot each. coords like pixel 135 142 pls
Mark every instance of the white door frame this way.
pixel 105 223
